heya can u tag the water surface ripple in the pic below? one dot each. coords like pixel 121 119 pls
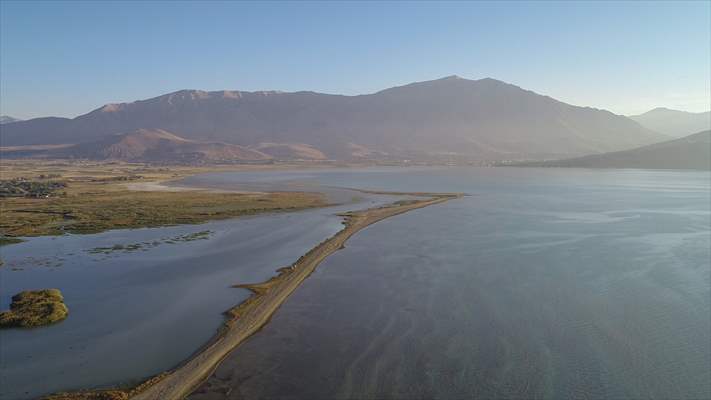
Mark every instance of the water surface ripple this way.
pixel 542 284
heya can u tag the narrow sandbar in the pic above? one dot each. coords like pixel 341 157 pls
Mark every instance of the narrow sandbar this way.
pixel 248 317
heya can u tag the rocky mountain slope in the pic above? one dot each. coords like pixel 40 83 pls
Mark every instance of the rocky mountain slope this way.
pixel 157 146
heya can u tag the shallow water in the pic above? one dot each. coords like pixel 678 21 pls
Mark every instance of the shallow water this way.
pixel 543 283
pixel 142 309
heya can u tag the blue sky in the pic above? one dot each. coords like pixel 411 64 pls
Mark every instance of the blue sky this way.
pixel 67 58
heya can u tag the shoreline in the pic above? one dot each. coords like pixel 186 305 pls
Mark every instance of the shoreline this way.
pixel 248 317
pixel 107 197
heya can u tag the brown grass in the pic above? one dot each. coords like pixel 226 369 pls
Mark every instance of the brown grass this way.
pixel 34 308
pixel 93 202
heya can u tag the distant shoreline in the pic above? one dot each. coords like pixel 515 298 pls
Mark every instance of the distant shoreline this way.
pixel 251 315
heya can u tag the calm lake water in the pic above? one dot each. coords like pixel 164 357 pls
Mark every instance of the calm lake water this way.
pixel 542 283
pixel 139 310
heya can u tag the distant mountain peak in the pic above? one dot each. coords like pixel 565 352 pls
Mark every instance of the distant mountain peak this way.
pixel 454 78
pixel 460 78
pixel 674 123
pixel 450 78
pixel 666 110
pixel 452 82
pixel 488 79
pixel 6 119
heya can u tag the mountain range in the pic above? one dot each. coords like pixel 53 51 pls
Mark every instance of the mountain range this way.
pixel 674 123
pixel 445 119
pixel 690 152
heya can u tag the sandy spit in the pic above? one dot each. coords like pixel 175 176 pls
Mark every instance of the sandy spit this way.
pixel 250 316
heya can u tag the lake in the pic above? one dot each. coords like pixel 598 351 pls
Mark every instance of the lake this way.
pixel 542 283
pixel 143 300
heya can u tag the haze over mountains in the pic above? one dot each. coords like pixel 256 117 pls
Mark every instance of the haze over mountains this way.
pixel 449 118
pixel 6 119
pixel 674 123
pixel 690 152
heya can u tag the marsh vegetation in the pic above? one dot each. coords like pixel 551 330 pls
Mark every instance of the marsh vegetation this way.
pixel 22 187
pixel 143 246
pixel 34 308
pixel 97 199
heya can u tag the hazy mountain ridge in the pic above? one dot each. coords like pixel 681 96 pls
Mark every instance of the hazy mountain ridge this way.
pixel 6 119
pixel 674 123
pixel 690 152
pixel 446 118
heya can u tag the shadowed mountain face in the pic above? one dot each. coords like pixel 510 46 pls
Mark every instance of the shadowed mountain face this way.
pixel 673 122
pixel 691 152
pixel 442 119
pixel 157 145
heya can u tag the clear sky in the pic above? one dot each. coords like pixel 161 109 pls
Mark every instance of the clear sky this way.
pixel 67 58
